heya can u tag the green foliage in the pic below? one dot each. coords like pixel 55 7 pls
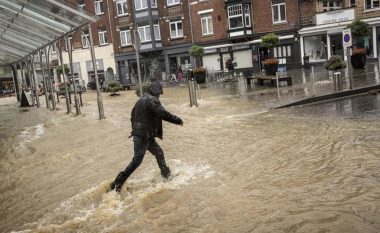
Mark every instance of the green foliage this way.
pixel 335 63
pixel 114 86
pixel 144 88
pixel 196 51
pixel 359 30
pixel 59 70
pixel 269 41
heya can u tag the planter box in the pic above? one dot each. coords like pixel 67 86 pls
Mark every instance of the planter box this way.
pixel 270 69
pixel 200 78
pixel 358 61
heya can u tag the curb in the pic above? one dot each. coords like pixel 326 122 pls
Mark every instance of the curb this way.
pixel 330 96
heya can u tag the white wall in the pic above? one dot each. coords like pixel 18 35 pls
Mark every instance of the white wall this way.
pixel 82 55
pixel 211 62
pixel 243 59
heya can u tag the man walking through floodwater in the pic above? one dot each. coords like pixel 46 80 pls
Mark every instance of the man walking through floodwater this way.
pixel 146 119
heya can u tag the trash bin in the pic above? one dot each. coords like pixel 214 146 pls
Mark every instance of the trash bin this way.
pixel 306 62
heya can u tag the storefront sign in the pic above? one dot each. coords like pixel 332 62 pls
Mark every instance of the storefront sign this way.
pixel 237 47
pixel 335 16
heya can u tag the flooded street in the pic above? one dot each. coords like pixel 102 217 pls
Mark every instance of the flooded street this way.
pixel 237 167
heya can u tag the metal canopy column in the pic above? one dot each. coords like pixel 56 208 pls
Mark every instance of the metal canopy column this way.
pixel 77 106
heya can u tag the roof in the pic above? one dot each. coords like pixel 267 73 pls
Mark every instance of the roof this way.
pixel 29 25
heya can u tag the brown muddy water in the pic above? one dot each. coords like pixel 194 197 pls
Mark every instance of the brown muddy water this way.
pixel 237 167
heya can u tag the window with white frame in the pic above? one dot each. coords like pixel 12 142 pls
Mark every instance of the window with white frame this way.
pixel 81 4
pixel 153 3
pixel 282 51
pixel 157 33
pixel 125 37
pixel 141 4
pixel 370 4
pixel 176 29
pixel 352 3
pixel 54 48
pixel 102 36
pixel 122 7
pixel 235 16
pixel 85 39
pixel 173 2
pixel 68 39
pixel 247 15
pixel 98 7
pixel 278 11
pixel 331 5
pixel 144 33
pixel 206 23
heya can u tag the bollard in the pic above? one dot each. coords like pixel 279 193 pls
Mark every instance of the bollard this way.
pixel 193 93
pixel 242 86
pixel 337 81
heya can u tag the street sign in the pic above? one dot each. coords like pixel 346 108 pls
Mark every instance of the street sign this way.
pixel 347 38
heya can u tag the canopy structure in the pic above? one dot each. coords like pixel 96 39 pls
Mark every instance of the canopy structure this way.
pixel 29 25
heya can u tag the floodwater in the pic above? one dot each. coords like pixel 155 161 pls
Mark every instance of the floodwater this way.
pixel 237 167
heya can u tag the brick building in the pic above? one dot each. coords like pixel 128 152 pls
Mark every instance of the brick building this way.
pixel 321 32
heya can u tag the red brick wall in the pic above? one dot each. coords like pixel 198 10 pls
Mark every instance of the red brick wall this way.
pixel 219 20
pixel 262 16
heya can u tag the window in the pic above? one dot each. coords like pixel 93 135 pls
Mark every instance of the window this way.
pixel 352 3
pixel 172 2
pixel 247 15
pixel 125 37
pixel 122 7
pixel 54 48
pixel 206 23
pixel 278 11
pixel 144 33
pixel 81 4
pixel 370 4
pixel 153 3
pixel 176 29
pixel 157 34
pixel 102 36
pixel 235 16
pixel 85 39
pixel 331 5
pixel 67 41
pixel 98 7
pixel 141 4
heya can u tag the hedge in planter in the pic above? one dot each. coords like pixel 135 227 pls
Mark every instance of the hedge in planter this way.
pixel 114 86
pixel 270 41
pixel 359 31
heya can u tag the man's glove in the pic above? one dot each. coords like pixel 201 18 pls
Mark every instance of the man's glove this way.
pixel 178 121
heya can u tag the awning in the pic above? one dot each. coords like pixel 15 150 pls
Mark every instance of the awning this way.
pixel 29 25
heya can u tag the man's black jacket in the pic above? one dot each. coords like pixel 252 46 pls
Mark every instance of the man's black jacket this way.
pixel 147 116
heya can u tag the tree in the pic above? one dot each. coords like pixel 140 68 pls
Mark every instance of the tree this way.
pixel 359 30
pixel 197 52
pixel 114 86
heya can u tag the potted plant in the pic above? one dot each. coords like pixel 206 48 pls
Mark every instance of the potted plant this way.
pixel 114 86
pixel 335 63
pixel 144 88
pixel 359 30
pixel 199 72
pixel 270 41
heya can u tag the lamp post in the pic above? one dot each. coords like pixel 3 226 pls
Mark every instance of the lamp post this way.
pixel 137 47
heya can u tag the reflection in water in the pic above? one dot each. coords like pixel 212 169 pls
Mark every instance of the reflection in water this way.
pixel 236 168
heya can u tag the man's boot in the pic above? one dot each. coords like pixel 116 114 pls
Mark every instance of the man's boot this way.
pixel 165 172
pixel 118 182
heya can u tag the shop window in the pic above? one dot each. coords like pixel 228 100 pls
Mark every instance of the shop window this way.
pixel 235 16
pixel 368 44
pixel 206 23
pixel 278 11
pixel 144 33
pixel 331 5
pixel 176 29
pixel 315 47
pixel 282 51
pixel 98 7
pixel 157 34
pixel 370 4
pixel 352 3
pixel 153 3
pixel 125 37
pixel 122 7
pixel 85 39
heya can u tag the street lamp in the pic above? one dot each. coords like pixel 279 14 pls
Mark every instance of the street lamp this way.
pixel 137 46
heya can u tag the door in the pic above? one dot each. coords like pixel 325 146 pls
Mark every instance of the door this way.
pixel 336 44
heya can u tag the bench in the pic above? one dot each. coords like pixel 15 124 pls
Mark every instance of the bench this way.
pixel 273 80
pixel 128 86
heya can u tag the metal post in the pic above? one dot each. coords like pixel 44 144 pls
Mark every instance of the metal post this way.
pixel 277 84
pixel 337 81
pixel 51 94
pixel 313 79
pixel 191 93
pixel 37 89
pixel 32 89
pixel 68 105
pixel 43 78
pixel 137 48
pixel 77 107
pixel 99 96
pixel 349 68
